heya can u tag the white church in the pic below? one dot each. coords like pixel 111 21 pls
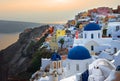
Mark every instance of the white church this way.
pixel 79 64
pixel 92 39
pixel 74 68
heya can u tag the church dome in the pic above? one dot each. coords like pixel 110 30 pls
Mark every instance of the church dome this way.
pixel 92 27
pixel 55 57
pixel 79 53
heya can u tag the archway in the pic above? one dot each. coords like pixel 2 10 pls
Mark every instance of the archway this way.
pixel 91 45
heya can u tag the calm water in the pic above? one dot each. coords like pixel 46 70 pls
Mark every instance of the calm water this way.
pixel 7 39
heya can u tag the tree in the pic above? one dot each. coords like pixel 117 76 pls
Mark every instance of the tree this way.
pixel 77 25
pixel 61 41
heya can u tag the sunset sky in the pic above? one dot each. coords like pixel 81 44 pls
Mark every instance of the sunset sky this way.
pixel 45 11
pixel 48 11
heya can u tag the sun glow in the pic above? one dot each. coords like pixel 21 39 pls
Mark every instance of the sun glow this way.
pixel 62 1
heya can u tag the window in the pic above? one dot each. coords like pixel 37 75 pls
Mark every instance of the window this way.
pixel 109 35
pixel 55 65
pixel 85 35
pixel 58 32
pixel 98 35
pixel 87 65
pixel 68 66
pixel 77 67
pixel 118 36
pixel 117 28
pixel 59 65
pixel 92 48
pixel 92 36
pixel 115 50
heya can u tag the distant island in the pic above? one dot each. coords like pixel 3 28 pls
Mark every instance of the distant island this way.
pixel 15 26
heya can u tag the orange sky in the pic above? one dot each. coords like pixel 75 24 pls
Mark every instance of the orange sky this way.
pixel 48 11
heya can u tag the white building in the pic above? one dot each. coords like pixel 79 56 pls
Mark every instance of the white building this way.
pixel 112 28
pixel 46 45
pixel 77 56
pixel 75 68
pixel 56 69
pixel 68 41
pixel 93 41
pixel 100 69
pixel 44 63
pixel 116 35
pixel 117 59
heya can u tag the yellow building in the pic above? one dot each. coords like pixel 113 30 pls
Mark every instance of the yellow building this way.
pixel 60 33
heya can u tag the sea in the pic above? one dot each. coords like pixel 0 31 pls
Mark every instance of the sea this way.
pixel 7 39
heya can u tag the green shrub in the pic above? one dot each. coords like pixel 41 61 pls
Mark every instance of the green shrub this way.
pixel 36 61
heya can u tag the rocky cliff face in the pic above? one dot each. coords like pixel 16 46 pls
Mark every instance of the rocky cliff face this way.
pixel 18 56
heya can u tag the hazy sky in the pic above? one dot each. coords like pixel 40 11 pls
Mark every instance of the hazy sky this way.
pixel 48 11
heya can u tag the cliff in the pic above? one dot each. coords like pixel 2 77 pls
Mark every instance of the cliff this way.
pixel 20 57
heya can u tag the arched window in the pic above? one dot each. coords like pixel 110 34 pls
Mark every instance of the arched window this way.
pixel 92 48
pixel 59 65
pixel 92 36
pixel 77 67
pixel 109 35
pixel 55 65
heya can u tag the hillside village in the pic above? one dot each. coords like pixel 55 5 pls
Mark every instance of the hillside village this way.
pixel 86 48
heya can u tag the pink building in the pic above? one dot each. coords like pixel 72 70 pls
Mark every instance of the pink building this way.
pixel 104 10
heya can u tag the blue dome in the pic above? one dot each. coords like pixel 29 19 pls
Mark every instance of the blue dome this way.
pixel 91 27
pixel 79 53
pixel 55 57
